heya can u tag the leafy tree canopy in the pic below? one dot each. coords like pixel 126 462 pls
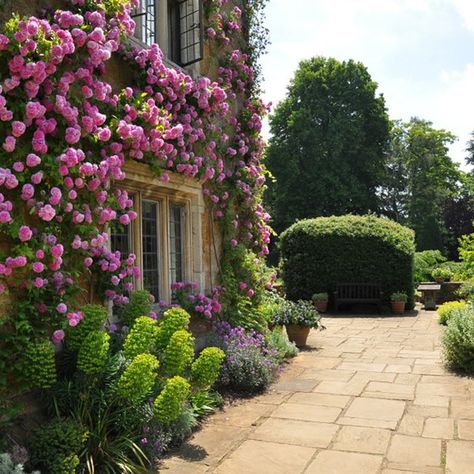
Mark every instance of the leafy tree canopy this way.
pixel 328 145
pixel 420 179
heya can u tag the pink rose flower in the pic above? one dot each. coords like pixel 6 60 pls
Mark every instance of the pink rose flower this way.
pixel 25 233
pixel 38 267
pixel 32 160
pixel 47 213
pixel 57 336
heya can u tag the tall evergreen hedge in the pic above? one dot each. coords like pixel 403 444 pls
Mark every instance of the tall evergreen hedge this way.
pixel 319 253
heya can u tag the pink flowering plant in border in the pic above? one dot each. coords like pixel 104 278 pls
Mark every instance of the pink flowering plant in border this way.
pixel 66 134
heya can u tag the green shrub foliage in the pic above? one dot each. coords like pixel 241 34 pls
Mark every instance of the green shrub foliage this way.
pixel 139 305
pixel 179 353
pixel 40 367
pixel 55 446
pixel 206 368
pixel 173 320
pixel 278 341
pixel 141 338
pixel 138 378
pixel 320 253
pixel 93 353
pixel 94 317
pixel 458 341
pixel 169 404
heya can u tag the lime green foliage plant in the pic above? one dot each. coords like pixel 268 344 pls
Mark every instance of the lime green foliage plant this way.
pixel 458 341
pixel 466 254
pixel 446 310
pixel 169 404
pixel 440 272
pixel 179 353
pixel 93 353
pixel 425 262
pixel 467 291
pixel 141 338
pixel 347 249
pixel 399 296
pixel 40 367
pixel 55 447
pixel 140 304
pixel 278 342
pixel 206 368
pixel 94 317
pixel 173 320
pixel 138 378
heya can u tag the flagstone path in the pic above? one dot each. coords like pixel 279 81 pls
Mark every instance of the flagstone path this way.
pixel 369 396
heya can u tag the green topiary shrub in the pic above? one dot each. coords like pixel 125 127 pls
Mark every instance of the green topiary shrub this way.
pixel 206 368
pixel 317 254
pixel 458 341
pixel 169 404
pixel 94 317
pixel 39 364
pixel 55 446
pixel 93 353
pixel 173 320
pixel 140 304
pixel 179 353
pixel 138 378
pixel 141 338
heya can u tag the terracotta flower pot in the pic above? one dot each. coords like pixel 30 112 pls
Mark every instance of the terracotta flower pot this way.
pixel 321 306
pixel 398 307
pixel 298 334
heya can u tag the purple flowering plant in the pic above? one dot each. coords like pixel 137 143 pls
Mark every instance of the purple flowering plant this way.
pixel 250 366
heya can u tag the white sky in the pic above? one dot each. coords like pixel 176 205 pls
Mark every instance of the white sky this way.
pixel 420 52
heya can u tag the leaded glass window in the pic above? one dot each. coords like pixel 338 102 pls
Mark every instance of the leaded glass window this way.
pixel 176 239
pixel 150 248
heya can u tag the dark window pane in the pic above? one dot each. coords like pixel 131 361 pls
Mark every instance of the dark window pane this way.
pixel 120 240
pixel 145 19
pixel 150 245
pixel 176 243
pixel 185 28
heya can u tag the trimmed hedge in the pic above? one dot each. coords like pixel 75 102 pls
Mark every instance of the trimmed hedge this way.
pixel 317 254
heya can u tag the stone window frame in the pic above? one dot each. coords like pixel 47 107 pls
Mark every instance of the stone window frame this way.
pixel 182 191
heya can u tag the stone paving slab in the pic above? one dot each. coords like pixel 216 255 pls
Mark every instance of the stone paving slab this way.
pixel 370 395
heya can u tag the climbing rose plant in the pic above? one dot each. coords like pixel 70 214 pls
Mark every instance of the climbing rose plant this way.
pixel 67 134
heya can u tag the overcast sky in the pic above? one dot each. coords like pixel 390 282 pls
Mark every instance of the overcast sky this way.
pixel 420 52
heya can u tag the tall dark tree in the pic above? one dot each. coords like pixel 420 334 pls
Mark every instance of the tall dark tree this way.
pixel 328 144
pixel 458 215
pixel 421 178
